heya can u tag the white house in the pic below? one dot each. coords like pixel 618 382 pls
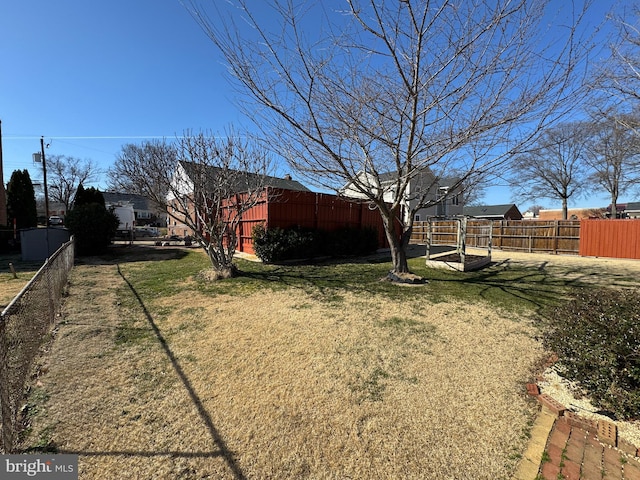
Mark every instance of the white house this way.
pixel 424 188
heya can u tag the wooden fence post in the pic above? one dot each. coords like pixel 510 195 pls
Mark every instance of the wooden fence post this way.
pixel 428 239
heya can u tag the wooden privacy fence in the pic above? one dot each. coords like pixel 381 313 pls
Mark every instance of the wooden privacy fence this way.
pixel 610 238
pixel 549 236
pixel 288 208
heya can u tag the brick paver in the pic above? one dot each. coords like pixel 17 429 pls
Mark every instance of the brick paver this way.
pixel 574 453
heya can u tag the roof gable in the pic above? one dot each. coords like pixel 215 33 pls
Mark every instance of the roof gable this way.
pixel 244 180
pixel 491 210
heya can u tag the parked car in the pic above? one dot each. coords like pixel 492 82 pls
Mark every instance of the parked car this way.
pixel 55 220
pixel 146 232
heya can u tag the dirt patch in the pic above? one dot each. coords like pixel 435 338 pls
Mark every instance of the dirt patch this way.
pixel 281 385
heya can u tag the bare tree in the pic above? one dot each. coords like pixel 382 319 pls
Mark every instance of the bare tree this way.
pixel 614 154
pixel 136 169
pixel 205 183
pixel 535 210
pixel 555 168
pixel 619 75
pixel 375 90
pixel 65 174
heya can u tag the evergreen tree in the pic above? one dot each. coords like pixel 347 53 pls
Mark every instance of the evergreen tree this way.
pixel 92 225
pixel 85 196
pixel 21 200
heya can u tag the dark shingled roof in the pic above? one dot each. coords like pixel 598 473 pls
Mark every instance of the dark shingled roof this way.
pixel 138 201
pixel 486 211
pixel 247 180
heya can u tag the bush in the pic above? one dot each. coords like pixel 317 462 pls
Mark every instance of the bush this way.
pixel 93 227
pixel 597 339
pixel 276 244
pixel 352 241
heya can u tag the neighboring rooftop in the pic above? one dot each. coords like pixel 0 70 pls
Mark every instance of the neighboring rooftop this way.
pixel 508 211
pixel 247 180
pixel 138 201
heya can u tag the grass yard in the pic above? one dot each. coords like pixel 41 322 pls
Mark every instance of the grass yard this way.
pixel 291 372
pixel 11 285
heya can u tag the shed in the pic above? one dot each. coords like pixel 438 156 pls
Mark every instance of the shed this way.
pixel 494 212
pixel 37 244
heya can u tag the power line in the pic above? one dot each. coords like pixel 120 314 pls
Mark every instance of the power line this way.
pixel 103 137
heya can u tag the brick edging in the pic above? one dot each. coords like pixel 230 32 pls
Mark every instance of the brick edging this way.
pixel 605 432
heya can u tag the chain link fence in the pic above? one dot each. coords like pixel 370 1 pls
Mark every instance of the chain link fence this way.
pixel 24 324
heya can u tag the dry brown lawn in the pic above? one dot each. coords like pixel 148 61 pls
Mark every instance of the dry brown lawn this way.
pixel 10 284
pixel 281 385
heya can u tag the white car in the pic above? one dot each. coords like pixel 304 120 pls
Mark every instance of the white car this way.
pixel 55 220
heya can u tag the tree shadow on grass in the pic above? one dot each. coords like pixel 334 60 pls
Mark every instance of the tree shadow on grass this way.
pixel 119 254
pixel 503 283
pixel 534 286
pixel 221 449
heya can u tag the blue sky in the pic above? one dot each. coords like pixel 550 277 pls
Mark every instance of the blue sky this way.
pixel 92 76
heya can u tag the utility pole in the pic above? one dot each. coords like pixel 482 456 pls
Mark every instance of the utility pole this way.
pixel 3 193
pixel 44 175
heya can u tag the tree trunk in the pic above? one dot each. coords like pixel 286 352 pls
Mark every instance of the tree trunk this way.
pixel 565 209
pixel 396 245
pixel 221 260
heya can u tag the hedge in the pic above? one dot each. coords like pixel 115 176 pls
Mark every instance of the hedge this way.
pixel 295 243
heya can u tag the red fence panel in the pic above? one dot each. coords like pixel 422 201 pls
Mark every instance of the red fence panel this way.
pixel 610 238
pixel 287 208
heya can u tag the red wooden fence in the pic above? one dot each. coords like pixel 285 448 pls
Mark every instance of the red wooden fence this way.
pixel 287 208
pixel 610 238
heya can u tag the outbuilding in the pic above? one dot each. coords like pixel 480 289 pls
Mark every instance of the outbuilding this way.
pixel 38 244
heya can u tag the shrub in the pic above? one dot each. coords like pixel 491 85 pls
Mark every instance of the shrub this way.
pixel 352 241
pixel 596 336
pixel 93 227
pixel 276 244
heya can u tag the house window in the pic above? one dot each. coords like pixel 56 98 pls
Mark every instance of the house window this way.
pixel 417 217
pixel 455 200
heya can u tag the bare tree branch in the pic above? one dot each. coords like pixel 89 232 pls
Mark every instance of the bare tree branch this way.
pixel 204 181
pixel 397 87
pixel 65 174
pixel 555 168
pixel 614 153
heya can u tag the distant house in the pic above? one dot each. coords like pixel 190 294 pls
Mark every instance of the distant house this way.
pixel 446 201
pixel 620 210
pixel 146 212
pixel 494 212
pixel 632 210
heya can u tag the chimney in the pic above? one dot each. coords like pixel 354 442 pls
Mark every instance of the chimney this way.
pixel 287 177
